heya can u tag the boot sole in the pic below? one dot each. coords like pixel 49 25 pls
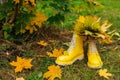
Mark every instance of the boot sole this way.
pixel 95 67
pixel 69 63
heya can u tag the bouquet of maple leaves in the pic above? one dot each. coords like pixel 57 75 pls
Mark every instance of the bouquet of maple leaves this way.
pixel 91 27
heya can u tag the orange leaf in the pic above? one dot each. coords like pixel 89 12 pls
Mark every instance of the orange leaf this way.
pixel 105 26
pixel 21 64
pixel 55 53
pixel 43 43
pixel 54 71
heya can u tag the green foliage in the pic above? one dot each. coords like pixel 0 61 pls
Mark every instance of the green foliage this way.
pixel 18 18
pixel 54 9
pixel 12 18
pixel 2 48
pixel 29 53
pixel 35 76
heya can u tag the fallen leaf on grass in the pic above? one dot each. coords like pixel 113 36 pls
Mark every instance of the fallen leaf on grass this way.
pixel 55 53
pixel 43 43
pixel 21 78
pixel 103 73
pixel 54 72
pixel 21 64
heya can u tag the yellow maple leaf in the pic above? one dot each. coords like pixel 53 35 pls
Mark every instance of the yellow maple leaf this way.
pixel 21 64
pixel 105 26
pixel 103 72
pixel 37 20
pixel 43 43
pixel 21 78
pixel 54 71
pixel 81 19
pixel 55 53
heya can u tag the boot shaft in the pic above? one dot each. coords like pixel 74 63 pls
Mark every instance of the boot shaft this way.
pixel 92 47
pixel 76 43
pixel 94 60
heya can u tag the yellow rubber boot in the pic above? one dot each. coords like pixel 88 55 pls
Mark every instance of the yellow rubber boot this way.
pixel 94 60
pixel 74 52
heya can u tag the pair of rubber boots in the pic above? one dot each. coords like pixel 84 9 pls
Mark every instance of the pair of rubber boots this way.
pixel 76 52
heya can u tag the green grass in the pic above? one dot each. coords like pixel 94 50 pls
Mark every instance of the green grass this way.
pixel 111 12
pixel 110 55
pixel 80 71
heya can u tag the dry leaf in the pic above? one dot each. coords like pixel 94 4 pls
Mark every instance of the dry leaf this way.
pixel 81 19
pixel 54 72
pixel 21 78
pixel 103 72
pixel 105 26
pixel 56 53
pixel 43 43
pixel 21 64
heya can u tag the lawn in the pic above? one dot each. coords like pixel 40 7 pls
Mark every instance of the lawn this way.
pixel 110 53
